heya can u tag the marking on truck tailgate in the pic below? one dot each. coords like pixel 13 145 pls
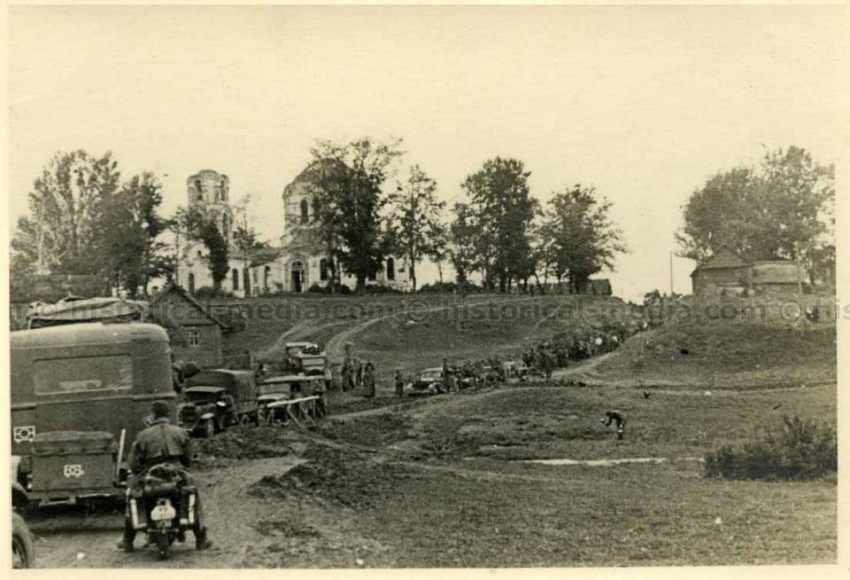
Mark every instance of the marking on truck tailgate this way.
pixel 73 470
pixel 23 433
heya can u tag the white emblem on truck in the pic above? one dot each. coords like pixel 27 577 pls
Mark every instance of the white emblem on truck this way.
pixel 23 433
pixel 74 470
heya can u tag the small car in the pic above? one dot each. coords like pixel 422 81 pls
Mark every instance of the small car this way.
pixel 429 382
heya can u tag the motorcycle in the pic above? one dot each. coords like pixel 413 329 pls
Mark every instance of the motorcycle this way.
pixel 164 504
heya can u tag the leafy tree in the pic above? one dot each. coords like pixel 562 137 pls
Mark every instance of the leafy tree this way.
pixel 350 201
pixel 580 238
pixel 197 226
pixel 60 234
pixel 415 223
pixel 499 195
pixel 462 243
pixel 130 235
pixel 784 209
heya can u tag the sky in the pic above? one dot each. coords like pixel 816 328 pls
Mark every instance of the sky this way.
pixel 644 103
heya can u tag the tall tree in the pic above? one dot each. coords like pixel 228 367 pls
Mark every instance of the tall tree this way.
pixel 784 208
pixel 130 235
pixel 415 221
pixel 349 195
pixel 462 243
pixel 65 208
pixel 580 238
pixel 500 197
pixel 195 225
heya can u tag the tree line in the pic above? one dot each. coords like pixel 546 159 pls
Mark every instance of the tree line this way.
pixel 500 233
pixel 84 219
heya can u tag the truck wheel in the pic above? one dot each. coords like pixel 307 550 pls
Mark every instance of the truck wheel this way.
pixel 209 429
pixel 23 555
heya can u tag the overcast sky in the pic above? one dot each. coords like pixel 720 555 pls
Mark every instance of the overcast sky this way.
pixel 645 103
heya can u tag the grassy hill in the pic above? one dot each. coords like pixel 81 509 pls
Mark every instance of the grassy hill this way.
pixel 723 355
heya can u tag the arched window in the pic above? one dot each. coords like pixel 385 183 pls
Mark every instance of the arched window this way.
pixel 246 281
pixel 235 279
pixel 267 272
pixel 323 270
pixel 223 190
pixel 390 269
pixel 191 283
pixel 225 226
pixel 305 211
pixel 199 192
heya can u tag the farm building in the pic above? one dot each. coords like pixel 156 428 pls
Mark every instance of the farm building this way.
pixel 196 334
pixel 726 273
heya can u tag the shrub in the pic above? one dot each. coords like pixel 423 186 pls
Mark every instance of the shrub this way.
pixel 210 293
pixel 795 449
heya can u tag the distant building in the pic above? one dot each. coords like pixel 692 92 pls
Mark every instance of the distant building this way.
pixel 196 334
pixel 727 273
pixel 209 191
pixel 301 261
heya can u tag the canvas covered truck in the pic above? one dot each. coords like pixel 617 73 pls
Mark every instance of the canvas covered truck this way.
pixel 217 399
pixel 80 393
pixel 78 310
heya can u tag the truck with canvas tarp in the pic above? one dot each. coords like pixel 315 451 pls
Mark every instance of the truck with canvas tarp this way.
pixel 80 393
pixel 78 310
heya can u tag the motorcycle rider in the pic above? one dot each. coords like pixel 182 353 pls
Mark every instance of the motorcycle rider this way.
pixel 161 442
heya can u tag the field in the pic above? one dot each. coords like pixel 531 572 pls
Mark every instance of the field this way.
pixel 454 480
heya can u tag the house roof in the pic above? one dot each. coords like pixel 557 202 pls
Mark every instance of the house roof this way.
pixel 265 256
pixel 178 290
pixel 724 258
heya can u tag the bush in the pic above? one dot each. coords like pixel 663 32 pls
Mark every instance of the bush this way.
pixel 210 293
pixel 339 289
pixel 449 288
pixel 796 449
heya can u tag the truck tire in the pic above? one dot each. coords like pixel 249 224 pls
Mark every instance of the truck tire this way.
pixel 23 553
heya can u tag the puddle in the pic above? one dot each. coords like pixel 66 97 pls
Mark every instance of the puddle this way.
pixel 607 462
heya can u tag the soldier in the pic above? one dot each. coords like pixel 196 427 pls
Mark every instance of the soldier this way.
pixel 346 375
pixel 399 383
pixel 619 421
pixel 319 391
pixel 369 379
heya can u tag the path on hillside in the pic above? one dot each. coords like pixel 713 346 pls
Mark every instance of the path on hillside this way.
pixel 336 345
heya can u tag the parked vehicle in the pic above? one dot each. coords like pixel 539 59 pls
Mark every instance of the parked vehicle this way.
pixel 217 399
pixel 515 369
pixel 428 382
pixel 23 550
pixel 80 393
pixel 282 388
pixel 314 364
pixel 77 310
pixel 168 502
